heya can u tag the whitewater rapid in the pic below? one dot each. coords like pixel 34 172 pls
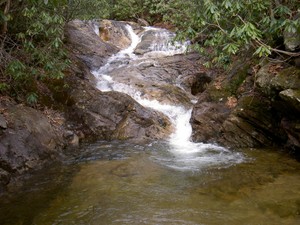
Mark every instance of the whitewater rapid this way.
pixel 184 154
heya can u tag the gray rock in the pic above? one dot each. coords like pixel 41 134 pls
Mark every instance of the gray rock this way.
pixel 114 116
pixel 29 142
pixel 143 22
pixel 3 123
pixel 167 79
pixel 88 46
pixel 251 124
pixel 207 119
pixel 292 97
pixel 271 82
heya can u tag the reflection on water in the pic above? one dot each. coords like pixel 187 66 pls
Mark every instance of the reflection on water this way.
pixel 126 184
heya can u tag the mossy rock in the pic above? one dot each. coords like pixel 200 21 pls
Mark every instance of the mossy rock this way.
pixel 288 78
pixel 271 83
pixel 230 85
pixel 292 97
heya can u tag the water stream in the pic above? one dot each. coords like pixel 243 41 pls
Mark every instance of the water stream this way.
pixel 172 182
pixel 186 154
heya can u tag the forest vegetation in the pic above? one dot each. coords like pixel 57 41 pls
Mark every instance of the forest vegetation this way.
pixel 32 51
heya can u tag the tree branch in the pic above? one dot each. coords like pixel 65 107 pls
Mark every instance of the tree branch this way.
pixel 294 54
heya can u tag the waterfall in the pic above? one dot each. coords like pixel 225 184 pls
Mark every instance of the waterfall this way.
pixel 186 155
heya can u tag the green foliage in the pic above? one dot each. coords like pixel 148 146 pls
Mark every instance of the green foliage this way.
pixel 43 40
pixel 32 98
pixel 88 9
pixel 38 54
pixel 3 87
pixel 150 10
pixel 230 27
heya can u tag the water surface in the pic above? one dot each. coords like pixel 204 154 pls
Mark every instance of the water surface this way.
pixel 119 183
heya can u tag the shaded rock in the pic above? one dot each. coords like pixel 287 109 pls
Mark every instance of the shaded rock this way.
pixel 87 45
pixel 288 78
pixel 253 123
pixel 271 79
pixel 29 141
pixel 291 41
pixel 292 97
pixel 297 62
pixel 292 129
pixel 143 22
pixel 207 119
pixel 199 82
pixel 264 77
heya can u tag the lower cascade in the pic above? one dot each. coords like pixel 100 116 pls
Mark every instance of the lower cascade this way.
pixel 184 154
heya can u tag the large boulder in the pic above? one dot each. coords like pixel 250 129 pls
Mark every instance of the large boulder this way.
pixel 239 112
pixel 170 80
pixel 108 115
pixel 291 97
pixel 207 119
pixel 114 115
pixel 253 123
pixel 28 140
pixel 272 79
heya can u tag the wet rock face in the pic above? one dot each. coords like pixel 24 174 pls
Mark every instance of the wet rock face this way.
pixel 114 33
pixel 228 111
pixel 27 140
pixel 87 45
pixel 207 119
pixel 167 79
pixel 114 116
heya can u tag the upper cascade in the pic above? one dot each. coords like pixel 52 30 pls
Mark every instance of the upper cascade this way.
pixel 147 42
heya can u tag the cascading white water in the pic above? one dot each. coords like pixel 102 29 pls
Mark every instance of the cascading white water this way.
pixel 186 155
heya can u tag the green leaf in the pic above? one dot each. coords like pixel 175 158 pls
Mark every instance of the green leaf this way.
pixel 231 48
pixel 32 98
pixel 263 51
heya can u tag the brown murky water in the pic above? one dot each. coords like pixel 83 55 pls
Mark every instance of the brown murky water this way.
pixel 129 186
